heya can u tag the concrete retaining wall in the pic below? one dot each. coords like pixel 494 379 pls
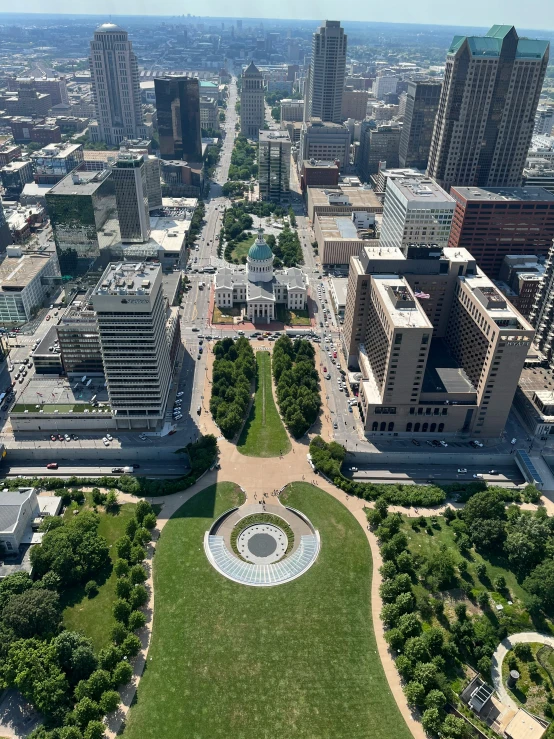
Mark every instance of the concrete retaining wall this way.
pixel 426 458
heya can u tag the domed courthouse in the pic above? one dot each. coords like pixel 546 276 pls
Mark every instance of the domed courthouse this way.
pixel 261 288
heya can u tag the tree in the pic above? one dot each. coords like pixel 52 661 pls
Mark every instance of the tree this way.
pixel 109 701
pixel 143 508
pixel 435 699
pixel 434 640
pixel 123 587
pixel 431 721
pixel 415 693
pixel 149 521
pixel 121 567
pixel 540 583
pixel 405 667
pixel 454 727
pixel 112 503
pixel 33 612
pixel 75 655
pixel 118 634
pixel 137 619
pixel 131 645
pixel 484 665
pixel 486 505
pixel 121 610
pixel 415 649
pixel 91 588
pixel 122 673
pixel 138 597
pixel 523 652
pixel 86 710
pixel 409 625
pixel 123 547
pixel 426 674
pixel 488 534
pixel 395 639
pixel 95 730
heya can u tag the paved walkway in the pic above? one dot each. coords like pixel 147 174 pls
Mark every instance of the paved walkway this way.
pixel 524 637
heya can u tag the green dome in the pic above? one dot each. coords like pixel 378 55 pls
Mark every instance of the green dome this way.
pixel 260 251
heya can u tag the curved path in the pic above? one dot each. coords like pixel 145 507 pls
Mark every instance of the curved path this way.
pixel 524 637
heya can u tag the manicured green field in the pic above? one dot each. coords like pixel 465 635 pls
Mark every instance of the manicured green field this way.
pixel 241 249
pixel 231 661
pixel 93 617
pixel 263 434
pixel 293 317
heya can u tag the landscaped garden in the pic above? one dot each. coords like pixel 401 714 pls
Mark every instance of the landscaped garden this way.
pixel 263 434
pixel 453 587
pixel 297 383
pixel 233 371
pixel 535 664
pixel 241 247
pixel 228 660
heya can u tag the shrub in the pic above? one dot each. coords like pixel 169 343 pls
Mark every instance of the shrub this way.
pixel 409 625
pixel 484 666
pixel 395 639
pixel 432 721
pixel 415 693
pixel 500 583
pixel 91 588
pixel 523 652
pixel 481 570
pixel 405 667
pixel 435 699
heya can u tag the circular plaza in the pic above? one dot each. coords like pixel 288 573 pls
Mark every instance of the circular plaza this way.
pixel 262 545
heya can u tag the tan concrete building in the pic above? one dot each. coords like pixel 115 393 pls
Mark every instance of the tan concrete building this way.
pixel 354 104
pixel 337 239
pixel 341 200
pixel 439 347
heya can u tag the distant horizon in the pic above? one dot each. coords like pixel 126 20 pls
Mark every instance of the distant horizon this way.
pixel 517 17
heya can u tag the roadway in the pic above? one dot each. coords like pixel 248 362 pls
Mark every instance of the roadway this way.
pixel 68 468
pixel 506 475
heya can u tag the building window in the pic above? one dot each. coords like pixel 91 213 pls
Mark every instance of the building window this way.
pixel 383 426
pixel 425 427
pixel 375 426
pixel 408 427
pixel 441 426
pixel 433 427
pixel 417 427
pixel 391 426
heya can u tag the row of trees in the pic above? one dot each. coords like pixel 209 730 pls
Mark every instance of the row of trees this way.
pixel 196 223
pixel 243 160
pixel 297 383
pixel 288 250
pixel 233 371
pixel 58 671
pixel 328 459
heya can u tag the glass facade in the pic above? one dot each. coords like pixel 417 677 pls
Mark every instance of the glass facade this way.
pixel 178 109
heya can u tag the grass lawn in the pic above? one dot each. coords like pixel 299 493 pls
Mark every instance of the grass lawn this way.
pixel 296 660
pixel 227 316
pixel 241 249
pixel 93 617
pixel 293 318
pixel 263 434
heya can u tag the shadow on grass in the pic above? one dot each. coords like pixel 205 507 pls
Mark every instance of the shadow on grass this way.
pixel 202 505
pixel 76 594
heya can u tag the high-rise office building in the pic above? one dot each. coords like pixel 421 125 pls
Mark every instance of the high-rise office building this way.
pixel 384 84
pixel 378 146
pixel 439 347
pixel 422 104
pixel 252 102
pixel 325 141
pixel 83 213
pixel 178 109
pixel 492 223
pixel 132 322
pixel 115 87
pixel 131 196
pixel 487 109
pixel 274 164
pixel 416 211
pixel 326 74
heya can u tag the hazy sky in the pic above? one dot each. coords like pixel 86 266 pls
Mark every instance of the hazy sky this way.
pixel 523 13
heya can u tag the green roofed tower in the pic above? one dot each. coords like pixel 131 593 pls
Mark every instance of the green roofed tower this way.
pixel 487 109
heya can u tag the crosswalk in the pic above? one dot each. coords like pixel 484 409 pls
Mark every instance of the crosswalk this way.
pixel 259 575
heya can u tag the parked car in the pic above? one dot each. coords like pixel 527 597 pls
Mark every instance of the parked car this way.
pixel 52 466
pixel 53 437
pixel 415 442
pixel 67 437
pixel 478 476
pixel 335 425
pixel 493 472
pixel 443 443
pixel 109 437
pixel 462 470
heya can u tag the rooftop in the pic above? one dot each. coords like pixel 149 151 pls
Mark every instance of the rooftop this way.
pixel 52 395
pixel 422 190
pixel 10 507
pixel 442 373
pixel 282 136
pixel 127 278
pixel 405 311
pixel 359 198
pixel 337 227
pixel 490 45
pixel 17 272
pixel 505 194
pixel 318 163
pixel 80 183
pixel 59 151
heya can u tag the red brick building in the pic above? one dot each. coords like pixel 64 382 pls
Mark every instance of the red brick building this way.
pixel 319 174
pixel 494 222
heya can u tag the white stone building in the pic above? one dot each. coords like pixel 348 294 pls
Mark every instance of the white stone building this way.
pixel 261 288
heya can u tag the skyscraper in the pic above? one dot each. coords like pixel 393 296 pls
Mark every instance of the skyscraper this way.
pixel 326 74
pixel 274 164
pixel 422 104
pixel 178 107
pixel 132 323
pixel 252 109
pixel 131 195
pixel 115 87
pixel 487 109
